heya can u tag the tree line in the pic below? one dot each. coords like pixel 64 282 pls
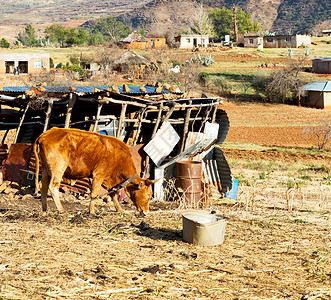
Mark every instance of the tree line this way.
pixel 214 22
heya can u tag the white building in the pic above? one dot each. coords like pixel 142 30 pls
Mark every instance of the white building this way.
pixel 189 41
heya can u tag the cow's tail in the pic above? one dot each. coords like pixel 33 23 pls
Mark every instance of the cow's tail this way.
pixel 36 154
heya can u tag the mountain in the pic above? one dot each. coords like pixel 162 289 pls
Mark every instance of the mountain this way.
pixel 282 16
pixel 161 15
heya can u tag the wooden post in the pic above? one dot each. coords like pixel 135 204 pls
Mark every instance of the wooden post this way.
pixel 121 121
pixel 205 118
pixel 169 113
pixel 21 122
pixel 142 114
pixel 185 130
pixel 213 119
pixel 72 100
pixel 48 114
pixel 97 117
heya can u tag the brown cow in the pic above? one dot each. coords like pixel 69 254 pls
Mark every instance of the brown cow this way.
pixel 74 154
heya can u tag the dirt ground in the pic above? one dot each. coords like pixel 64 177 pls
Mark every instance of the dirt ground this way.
pixel 268 252
pixel 274 124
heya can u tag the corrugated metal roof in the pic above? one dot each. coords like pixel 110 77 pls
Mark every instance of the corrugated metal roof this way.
pixel 318 86
pixel 83 89
pixel 322 58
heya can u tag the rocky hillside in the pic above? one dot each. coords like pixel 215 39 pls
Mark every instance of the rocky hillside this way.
pixel 161 15
pixel 283 16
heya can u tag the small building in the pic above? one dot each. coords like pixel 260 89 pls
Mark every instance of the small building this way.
pixel 29 63
pixel 253 41
pixel 157 43
pixel 326 32
pixel 131 61
pixel 318 94
pixel 321 65
pixel 190 41
pixel 134 41
pixel 286 41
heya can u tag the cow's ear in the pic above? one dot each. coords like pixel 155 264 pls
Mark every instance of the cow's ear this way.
pixel 150 182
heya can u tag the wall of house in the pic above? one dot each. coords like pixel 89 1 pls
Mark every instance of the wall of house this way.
pixel 157 43
pixel 286 41
pixel 317 99
pixel 253 42
pixel 135 45
pixel 327 100
pixel 322 66
pixel 33 62
pixel 302 40
pixel 189 41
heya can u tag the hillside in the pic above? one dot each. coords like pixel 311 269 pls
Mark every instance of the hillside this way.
pixel 283 16
pixel 160 15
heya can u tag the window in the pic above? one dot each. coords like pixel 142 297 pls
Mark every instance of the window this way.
pixel 188 41
pixel 38 64
pixel 288 39
pixel 251 41
pixel 270 40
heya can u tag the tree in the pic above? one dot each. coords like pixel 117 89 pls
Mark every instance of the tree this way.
pixel 62 36
pixel 203 24
pixel 56 34
pixel 224 21
pixel 283 84
pixel 322 133
pixel 4 43
pixel 112 30
pixel 28 37
pixel 95 39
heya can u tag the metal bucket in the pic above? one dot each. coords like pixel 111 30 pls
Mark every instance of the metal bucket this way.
pixel 201 228
pixel 188 180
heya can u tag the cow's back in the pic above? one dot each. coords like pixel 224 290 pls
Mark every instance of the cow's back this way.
pixel 86 152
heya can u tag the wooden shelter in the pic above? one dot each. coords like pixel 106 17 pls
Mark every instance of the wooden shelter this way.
pixel 132 114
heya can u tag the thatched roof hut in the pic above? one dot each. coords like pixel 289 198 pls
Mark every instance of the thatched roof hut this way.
pixel 134 41
pixel 130 58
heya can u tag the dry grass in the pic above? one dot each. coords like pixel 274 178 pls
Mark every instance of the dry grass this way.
pixel 268 251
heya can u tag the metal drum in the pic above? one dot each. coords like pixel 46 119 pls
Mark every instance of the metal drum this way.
pixel 188 180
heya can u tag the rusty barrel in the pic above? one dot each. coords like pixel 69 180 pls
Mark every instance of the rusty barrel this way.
pixel 188 180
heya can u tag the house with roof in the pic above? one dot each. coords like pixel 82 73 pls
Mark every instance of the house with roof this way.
pixel 28 63
pixel 253 41
pixel 190 41
pixel 286 41
pixel 326 32
pixel 134 41
pixel 157 43
pixel 318 94
pixel 321 65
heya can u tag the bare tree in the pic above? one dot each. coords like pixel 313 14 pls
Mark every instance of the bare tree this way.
pixel 202 24
pixel 322 133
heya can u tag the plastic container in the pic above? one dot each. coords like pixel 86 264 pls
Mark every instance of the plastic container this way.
pixel 232 194
pixel 202 228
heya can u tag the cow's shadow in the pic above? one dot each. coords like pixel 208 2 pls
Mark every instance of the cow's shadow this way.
pixel 161 234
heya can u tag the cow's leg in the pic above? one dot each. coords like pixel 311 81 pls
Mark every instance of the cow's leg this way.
pixel 54 186
pixel 96 185
pixel 44 189
pixel 117 205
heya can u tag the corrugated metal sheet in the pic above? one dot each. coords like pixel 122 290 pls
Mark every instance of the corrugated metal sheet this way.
pixel 318 86
pixel 224 125
pixel 223 168
pixel 162 143
pixel 83 89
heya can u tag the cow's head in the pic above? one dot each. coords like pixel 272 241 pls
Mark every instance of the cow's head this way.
pixel 141 194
